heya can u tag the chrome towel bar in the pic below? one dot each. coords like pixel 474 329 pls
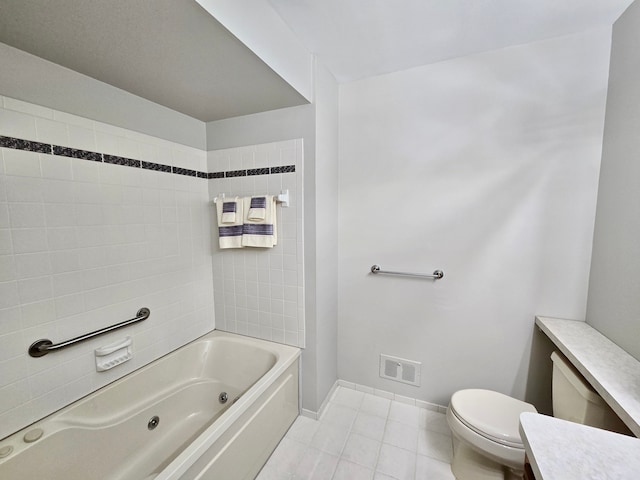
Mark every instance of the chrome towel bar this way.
pixel 41 347
pixel 436 274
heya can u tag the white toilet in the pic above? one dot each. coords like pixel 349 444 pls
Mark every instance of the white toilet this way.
pixel 485 424
pixel 486 440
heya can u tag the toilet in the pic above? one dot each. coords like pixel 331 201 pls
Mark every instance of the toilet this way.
pixel 486 440
pixel 485 424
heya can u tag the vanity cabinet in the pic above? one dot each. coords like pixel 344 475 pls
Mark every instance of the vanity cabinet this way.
pixel 560 450
pixel 528 472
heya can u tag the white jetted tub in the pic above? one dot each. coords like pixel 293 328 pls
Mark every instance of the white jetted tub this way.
pixel 168 420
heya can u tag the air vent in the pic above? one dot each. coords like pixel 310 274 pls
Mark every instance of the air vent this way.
pixel 400 370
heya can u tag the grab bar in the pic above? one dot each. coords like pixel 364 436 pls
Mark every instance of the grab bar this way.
pixel 41 347
pixel 436 274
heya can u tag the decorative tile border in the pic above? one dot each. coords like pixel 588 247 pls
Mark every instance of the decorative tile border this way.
pixel 49 149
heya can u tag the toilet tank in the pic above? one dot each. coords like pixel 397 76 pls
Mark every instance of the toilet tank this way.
pixel 575 399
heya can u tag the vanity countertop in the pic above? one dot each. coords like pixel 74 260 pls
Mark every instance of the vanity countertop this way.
pixel 612 372
pixel 562 450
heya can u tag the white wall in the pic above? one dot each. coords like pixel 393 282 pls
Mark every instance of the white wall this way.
pixel 614 304
pixel 85 244
pixel 260 291
pixel 485 167
pixel 326 233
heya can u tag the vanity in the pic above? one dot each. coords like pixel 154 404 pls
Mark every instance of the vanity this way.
pixel 561 450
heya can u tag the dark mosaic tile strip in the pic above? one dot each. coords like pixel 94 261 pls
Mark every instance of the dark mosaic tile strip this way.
pixel 129 162
pixel 158 167
pixel 29 145
pixel 185 171
pixel 37 147
pixel 258 171
pixel 236 173
pixel 284 169
pixel 76 153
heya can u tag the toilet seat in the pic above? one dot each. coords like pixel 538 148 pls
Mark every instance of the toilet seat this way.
pixel 491 414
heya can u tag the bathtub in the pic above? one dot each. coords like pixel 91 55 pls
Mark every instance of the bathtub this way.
pixel 168 420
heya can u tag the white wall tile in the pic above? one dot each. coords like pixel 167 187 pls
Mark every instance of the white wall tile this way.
pixel 25 215
pixel 6 247
pixel 70 119
pixel 252 280
pixel 28 108
pixel 23 189
pixel 81 137
pixel 86 171
pixel 17 124
pixel 73 233
pixel 23 163
pixel 7 268
pixel 56 167
pixel 37 313
pixel 50 131
pixel 9 294
pixel 35 289
pixel 29 240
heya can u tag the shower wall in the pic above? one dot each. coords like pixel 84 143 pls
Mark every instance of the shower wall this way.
pixel 84 244
pixel 260 291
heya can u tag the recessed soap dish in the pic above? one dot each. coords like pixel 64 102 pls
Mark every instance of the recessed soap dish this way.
pixel 113 354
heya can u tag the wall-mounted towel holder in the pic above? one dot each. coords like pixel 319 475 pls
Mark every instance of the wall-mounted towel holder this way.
pixel 282 198
pixel 438 274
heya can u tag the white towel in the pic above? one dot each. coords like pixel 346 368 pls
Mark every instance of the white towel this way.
pixel 260 232
pixel 230 234
pixel 229 209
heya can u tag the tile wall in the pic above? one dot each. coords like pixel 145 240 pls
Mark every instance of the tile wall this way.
pixel 95 222
pixel 260 292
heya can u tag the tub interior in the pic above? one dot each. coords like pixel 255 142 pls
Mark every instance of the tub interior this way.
pixel 105 436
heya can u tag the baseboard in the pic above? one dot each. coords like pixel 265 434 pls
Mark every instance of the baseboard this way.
pixel 373 391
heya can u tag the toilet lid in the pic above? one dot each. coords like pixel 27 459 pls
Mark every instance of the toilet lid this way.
pixel 491 414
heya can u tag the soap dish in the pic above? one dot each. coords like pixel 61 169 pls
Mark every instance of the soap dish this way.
pixel 113 354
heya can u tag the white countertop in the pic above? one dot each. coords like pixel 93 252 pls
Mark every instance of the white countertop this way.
pixel 612 372
pixel 561 450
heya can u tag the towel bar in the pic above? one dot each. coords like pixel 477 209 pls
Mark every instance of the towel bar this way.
pixel 436 274
pixel 282 198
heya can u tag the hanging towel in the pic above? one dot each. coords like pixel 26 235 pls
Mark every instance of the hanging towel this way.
pixel 229 210
pixel 257 209
pixel 260 232
pixel 230 234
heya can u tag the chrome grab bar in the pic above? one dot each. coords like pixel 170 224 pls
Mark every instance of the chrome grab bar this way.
pixel 41 347
pixel 436 274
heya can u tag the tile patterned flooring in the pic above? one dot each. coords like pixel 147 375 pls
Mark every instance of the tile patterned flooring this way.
pixel 362 436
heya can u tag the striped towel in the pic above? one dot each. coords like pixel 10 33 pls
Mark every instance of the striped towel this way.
pixel 258 208
pixel 229 211
pixel 260 232
pixel 230 234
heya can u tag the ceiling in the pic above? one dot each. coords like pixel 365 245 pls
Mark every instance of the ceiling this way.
pixel 171 52
pixel 361 38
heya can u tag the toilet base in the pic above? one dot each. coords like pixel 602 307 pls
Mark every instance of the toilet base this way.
pixel 468 464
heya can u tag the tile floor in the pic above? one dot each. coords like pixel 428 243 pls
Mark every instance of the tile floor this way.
pixel 362 436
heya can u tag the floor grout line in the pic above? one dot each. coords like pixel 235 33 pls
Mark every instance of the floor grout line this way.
pixel 341 404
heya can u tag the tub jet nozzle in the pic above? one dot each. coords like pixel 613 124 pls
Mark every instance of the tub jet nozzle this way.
pixel 153 422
